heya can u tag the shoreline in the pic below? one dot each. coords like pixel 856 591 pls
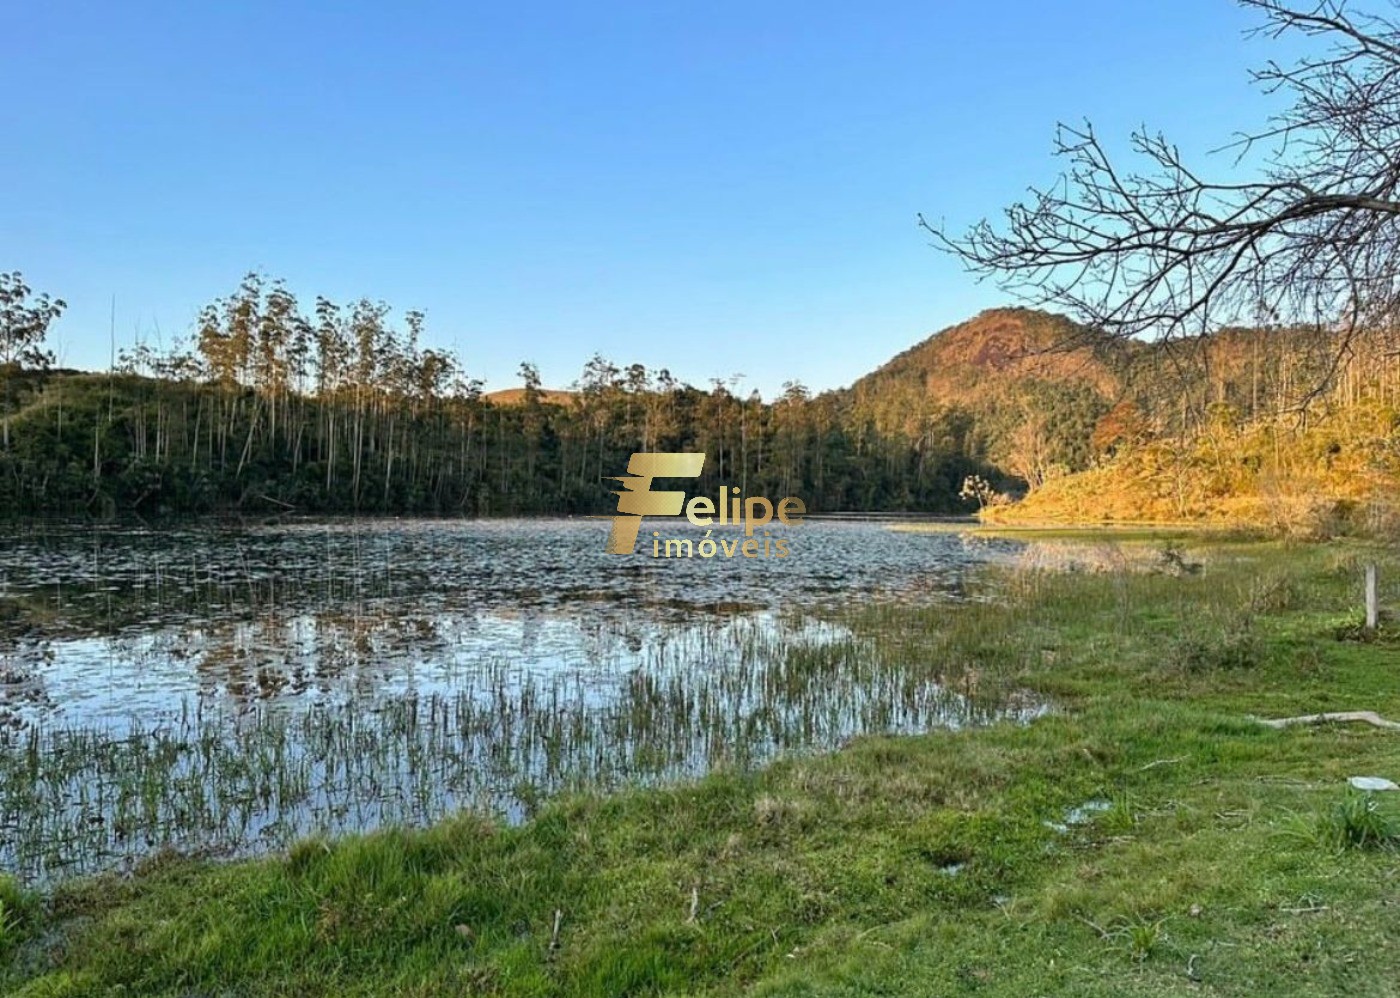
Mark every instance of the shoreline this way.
pixel 1148 819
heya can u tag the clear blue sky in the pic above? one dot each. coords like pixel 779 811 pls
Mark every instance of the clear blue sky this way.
pixel 712 187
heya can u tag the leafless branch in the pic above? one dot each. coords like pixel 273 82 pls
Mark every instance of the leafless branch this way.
pixel 1312 238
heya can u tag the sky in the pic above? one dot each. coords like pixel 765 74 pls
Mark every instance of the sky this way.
pixel 716 188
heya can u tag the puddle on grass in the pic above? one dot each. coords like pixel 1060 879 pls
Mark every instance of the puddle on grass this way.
pixel 1080 815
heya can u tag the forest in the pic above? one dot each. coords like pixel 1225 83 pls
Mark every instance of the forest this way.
pixel 270 407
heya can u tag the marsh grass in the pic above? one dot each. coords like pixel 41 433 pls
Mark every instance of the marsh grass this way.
pixel 723 693
pixel 15 907
pixel 1204 651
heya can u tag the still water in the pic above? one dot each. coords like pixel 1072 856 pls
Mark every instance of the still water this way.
pixel 226 689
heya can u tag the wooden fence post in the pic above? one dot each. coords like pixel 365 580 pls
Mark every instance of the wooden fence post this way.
pixel 1372 599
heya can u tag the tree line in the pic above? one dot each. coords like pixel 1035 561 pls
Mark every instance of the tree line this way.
pixel 271 406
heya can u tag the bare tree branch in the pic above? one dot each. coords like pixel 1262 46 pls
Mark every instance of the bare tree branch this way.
pixel 1160 251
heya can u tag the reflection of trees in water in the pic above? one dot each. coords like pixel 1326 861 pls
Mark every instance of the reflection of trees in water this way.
pixel 75 609
pixel 268 656
pixel 330 651
pixel 73 582
pixel 266 686
pixel 246 775
pixel 361 652
pixel 22 665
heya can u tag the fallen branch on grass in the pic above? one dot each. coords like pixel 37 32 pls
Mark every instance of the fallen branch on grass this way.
pixel 1367 716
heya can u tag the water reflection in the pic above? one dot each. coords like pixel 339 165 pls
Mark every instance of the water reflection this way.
pixel 230 689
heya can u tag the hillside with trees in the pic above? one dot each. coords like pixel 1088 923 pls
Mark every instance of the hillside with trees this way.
pixel 1020 389
pixel 274 408
pixel 1294 430
pixel 1265 281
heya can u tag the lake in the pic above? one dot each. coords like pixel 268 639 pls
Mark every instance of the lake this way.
pixel 227 689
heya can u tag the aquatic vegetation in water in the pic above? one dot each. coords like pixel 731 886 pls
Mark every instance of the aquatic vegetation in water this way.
pixel 228 694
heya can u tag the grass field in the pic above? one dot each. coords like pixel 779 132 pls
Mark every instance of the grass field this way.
pixel 1147 836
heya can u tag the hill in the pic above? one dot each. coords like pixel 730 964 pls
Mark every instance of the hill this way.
pixel 516 396
pixel 997 351
pixel 1018 389
pixel 1296 429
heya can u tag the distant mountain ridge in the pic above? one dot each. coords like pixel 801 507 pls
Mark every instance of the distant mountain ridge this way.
pixel 956 364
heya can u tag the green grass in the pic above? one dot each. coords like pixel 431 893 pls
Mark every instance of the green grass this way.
pixel 1226 857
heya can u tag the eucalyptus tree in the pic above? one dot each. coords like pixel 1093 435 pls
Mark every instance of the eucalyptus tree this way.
pixel 24 325
pixel 24 322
